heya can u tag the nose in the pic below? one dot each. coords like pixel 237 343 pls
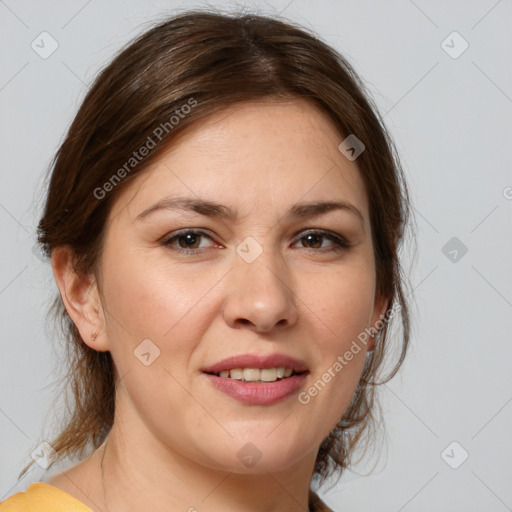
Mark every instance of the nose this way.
pixel 260 294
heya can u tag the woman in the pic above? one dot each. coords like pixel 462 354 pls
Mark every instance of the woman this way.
pixel 223 220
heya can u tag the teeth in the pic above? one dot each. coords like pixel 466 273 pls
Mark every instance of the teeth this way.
pixel 268 374
pixel 236 373
pixel 251 374
pixel 256 374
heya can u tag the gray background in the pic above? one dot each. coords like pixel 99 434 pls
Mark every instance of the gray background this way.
pixel 451 120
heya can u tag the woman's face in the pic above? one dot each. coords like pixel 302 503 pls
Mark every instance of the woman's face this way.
pixel 184 288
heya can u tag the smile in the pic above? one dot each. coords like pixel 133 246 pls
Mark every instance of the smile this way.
pixel 257 374
pixel 255 390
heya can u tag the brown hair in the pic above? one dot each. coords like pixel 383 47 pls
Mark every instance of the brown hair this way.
pixel 210 61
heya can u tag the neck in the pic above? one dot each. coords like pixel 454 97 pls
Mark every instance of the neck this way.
pixel 135 476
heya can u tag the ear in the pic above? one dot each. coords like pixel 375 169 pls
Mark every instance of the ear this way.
pixel 380 306
pixel 80 295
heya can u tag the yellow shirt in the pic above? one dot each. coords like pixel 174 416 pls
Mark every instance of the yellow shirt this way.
pixel 42 497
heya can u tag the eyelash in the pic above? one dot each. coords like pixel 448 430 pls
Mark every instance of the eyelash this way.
pixel 340 242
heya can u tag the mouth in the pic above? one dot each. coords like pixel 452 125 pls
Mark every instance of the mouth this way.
pixel 258 386
pixel 256 379
pixel 258 375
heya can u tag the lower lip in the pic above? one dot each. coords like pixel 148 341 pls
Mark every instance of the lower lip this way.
pixel 258 393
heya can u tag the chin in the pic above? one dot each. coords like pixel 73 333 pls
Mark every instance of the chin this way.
pixel 256 454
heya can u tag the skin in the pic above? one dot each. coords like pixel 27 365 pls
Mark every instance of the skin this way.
pixel 175 438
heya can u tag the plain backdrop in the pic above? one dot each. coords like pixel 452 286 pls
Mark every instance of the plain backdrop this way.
pixel 440 74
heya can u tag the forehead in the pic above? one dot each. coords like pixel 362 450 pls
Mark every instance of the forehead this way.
pixel 255 156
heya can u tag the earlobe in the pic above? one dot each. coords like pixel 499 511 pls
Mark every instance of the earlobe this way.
pixel 79 293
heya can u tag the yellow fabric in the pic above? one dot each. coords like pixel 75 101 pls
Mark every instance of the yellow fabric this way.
pixel 42 497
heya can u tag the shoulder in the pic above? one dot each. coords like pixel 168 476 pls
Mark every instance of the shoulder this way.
pixel 42 497
pixel 15 503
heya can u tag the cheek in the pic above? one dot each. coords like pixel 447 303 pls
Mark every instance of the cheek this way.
pixel 155 317
pixel 340 310
pixel 156 301
pixel 340 307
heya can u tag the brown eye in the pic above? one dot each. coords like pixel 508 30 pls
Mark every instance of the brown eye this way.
pixel 188 241
pixel 314 240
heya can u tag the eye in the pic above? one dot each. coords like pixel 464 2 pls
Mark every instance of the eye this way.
pixel 315 238
pixel 187 239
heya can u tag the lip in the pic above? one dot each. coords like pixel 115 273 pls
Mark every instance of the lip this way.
pixel 257 361
pixel 258 393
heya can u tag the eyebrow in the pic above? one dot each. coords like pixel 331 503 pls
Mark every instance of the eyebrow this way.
pixel 216 210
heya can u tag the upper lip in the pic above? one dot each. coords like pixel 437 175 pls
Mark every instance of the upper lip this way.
pixel 257 361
